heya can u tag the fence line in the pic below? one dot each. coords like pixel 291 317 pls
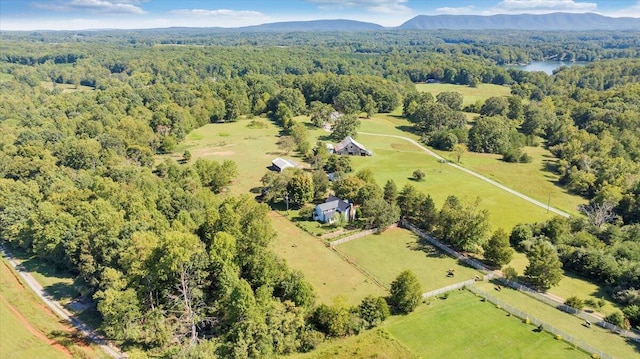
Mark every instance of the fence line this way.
pixel 356 236
pixel 448 288
pixel 632 334
pixel 543 325
pixel 445 248
pixel 565 308
pixel 364 271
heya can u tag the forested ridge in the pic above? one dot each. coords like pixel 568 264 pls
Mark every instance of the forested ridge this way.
pixel 172 261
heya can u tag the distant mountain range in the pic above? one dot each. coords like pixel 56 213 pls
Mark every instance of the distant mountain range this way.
pixel 553 21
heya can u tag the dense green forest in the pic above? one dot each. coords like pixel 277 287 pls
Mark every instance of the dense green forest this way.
pixel 172 261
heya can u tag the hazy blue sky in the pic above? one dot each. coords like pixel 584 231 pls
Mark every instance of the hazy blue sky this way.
pixel 95 14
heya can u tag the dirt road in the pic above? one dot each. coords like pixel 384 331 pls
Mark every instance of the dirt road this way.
pixel 61 312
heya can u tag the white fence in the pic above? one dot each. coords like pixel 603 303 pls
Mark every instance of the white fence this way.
pixel 356 236
pixel 544 326
pixel 445 248
pixel 449 288
pixel 632 334
pixel 565 308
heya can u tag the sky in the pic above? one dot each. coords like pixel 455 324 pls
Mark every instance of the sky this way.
pixel 136 14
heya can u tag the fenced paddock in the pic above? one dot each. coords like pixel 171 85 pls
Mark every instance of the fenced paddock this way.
pixel 545 326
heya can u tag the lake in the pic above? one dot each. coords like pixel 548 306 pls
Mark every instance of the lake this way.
pixel 546 66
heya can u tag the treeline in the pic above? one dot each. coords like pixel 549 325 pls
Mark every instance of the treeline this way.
pixel 176 269
pixel 500 47
pixel 609 255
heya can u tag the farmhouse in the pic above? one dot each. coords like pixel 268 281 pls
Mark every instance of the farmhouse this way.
pixel 349 146
pixel 326 212
pixel 280 164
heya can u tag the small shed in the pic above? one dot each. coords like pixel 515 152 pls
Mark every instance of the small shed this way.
pixel 280 164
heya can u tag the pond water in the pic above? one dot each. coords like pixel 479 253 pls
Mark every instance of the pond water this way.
pixel 546 66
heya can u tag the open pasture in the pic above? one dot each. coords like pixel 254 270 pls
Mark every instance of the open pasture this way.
pixel 462 326
pixel 397 249
pixel 471 94
pixel 396 159
pixel 534 179
pixel 329 274
pixel 597 337
pixel 64 87
pixel 252 148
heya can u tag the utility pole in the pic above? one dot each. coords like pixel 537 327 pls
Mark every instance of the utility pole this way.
pixel 549 202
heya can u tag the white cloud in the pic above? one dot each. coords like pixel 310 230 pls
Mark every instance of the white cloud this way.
pixel 465 10
pixel 95 6
pixel 632 11
pixel 376 6
pixel 219 12
pixel 545 5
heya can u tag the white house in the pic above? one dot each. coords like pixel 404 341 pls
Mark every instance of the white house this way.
pixel 326 212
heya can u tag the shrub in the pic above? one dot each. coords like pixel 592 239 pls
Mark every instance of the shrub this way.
pixel 574 302
pixel 558 337
pixel 373 311
pixel 510 273
pixel 306 212
pixel 617 318
pixel 418 175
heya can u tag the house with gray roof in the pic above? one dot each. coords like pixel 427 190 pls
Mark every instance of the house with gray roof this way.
pixel 328 211
pixel 349 146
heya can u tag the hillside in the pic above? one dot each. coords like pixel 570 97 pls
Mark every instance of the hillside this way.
pixel 315 25
pixel 554 21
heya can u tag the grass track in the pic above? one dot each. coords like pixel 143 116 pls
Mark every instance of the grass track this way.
pixel 462 326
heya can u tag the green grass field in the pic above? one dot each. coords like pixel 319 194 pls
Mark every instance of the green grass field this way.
pixel 396 249
pixel 329 274
pixel 462 326
pixel 252 149
pixel 5 77
pixel 396 159
pixel 376 343
pixel 65 87
pixel 471 94
pixel 599 338
pixel 532 179
pixel 17 341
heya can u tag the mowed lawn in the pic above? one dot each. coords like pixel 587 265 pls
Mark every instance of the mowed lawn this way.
pixel 329 274
pixel 462 326
pixel 532 179
pixel 397 249
pixel 17 339
pixel 396 159
pixel 471 94
pixel 599 338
